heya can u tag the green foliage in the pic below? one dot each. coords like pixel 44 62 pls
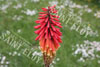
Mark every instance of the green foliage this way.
pixel 25 25
pixel 91 3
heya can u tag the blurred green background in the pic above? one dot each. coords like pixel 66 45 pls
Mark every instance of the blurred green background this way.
pixel 19 16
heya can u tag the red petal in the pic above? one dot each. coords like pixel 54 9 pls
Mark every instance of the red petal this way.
pixel 55 40
pixel 49 36
pixel 42 43
pixel 44 9
pixel 57 36
pixel 48 25
pixel 53 6
pixel 51 32
pixel 46 19
pixel 37 37
pixel 46 36
pixel 57 29
pixel 42 31
pixel 56 43
pixel 41 18
pixel 46 29
pixel 41 36
pixel 43 25
pixel 59 33
pixel 41 21
pixel 53 27
pixel 53 22
pixel 56 19
pixel 55 11
pixel 52 45
pixel 59 25
pixel 59 40
pixel 56 23
pixel 43 15
pixel 38 31
pixel 37 21
pixel 55 16
pixel 56 46
pixel 38 26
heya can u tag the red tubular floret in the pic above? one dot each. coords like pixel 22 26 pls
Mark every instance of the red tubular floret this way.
pixel 44 9
pixel 51 32
pixel 38 26
pixel 53 27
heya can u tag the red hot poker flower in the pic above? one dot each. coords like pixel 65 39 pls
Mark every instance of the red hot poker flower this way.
pixel 48 34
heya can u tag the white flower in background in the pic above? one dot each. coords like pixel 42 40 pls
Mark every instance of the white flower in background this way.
pixel 58 59
pixel 19 30
pixel 77 51
pixel 99 61
pixel 61 6
pixel 35 1
pixel 54 62
pixel 51 66
pixel 17 17
pixel 10 53
pixel 85 6
pixel 81 59
pixel 88 10
pixel 3 7
pixel 14 53
pixel 86 42
pixel 37 53
pixel 30 12
pixel 53 3
pixel 8 32
pixel 3 61
pixel 66 2
pixel 78 6
pixel 7 62
pixel 72 6
pixel 18 6
pixel 6 66
pixel 87 50
pixel 97 14
pixel 19 54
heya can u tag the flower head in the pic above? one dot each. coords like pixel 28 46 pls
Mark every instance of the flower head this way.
pixel 48 35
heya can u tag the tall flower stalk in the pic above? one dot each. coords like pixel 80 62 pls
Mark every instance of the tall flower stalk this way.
pixel 48 35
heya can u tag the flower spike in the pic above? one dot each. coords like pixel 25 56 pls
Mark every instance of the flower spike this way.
pixel 48 34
